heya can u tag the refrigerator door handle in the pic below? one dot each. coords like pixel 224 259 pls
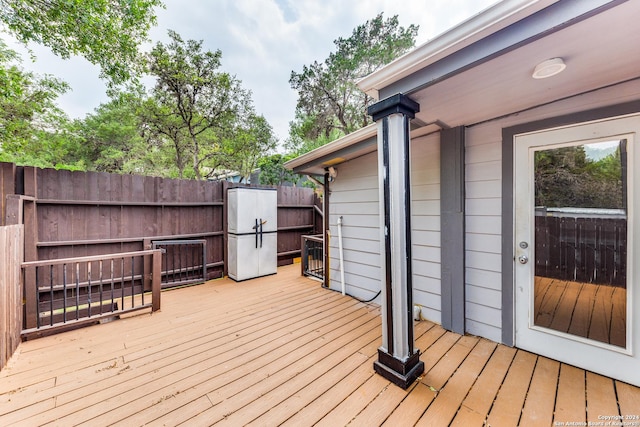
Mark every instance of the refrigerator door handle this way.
pixel 256 228
pixel 261 231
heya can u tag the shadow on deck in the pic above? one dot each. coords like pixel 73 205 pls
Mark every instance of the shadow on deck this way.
pixel 282 350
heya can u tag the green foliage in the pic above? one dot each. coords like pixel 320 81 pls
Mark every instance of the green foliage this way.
pixel 273 172
pixel 205 114
pixel 298 144
pixel 253 140
pixel 112 137
pixel 328 97
pixel 566 177
pixel 32 128
pixel 105 32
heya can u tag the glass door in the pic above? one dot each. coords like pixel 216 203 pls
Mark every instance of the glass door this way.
pixel 574 223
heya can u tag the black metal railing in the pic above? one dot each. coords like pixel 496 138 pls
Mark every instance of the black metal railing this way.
pixel 312 256
pixel 184 262
pixel 69 292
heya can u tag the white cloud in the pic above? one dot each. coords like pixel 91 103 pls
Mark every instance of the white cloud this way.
pixel 262 41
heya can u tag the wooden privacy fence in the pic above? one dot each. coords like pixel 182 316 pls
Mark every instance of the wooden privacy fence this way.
pixel 84 214
pixel 70 214
pixel 581 249
pixel 11 250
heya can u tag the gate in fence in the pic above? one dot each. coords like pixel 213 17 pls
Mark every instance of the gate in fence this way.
pixel 184 262
pixel 312 256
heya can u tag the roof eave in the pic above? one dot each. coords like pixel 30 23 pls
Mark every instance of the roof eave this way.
pixel 483 24
pixel 333 147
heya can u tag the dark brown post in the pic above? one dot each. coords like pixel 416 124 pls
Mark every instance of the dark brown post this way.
pixel 156 280
pixel 302 255
pixel 325 230
pixel 30 247
pixel 147 273
pixel 225 237
pixel 7 187
pixel 14 213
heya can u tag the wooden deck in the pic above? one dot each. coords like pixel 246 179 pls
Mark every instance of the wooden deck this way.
pixel 281 350
pixel 587 310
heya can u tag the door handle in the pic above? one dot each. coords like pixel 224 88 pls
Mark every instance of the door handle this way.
pixel 523 259
pixel 257 231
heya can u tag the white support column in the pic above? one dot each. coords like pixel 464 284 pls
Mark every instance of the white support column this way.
pixel 398 361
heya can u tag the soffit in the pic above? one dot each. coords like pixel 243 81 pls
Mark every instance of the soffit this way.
pixel 599 51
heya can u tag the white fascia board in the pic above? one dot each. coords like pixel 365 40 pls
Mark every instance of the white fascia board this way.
pixel 334 146
pixel 479 26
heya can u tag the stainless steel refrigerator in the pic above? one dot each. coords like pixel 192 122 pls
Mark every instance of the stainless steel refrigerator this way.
pixel 252 216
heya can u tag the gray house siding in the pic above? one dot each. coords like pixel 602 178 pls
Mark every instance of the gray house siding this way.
pixel 483 228
pixel 354 196
pixel 425 223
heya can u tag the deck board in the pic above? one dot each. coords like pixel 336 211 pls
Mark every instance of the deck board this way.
pixel 510 400
pixel 450 397
pixel 629 401
pixel 476 406
pixel 538 407
pixel 571 383
pixel 601 398
pixel 280 350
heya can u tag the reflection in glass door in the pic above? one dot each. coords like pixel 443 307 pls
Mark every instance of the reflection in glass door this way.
pixel 580 285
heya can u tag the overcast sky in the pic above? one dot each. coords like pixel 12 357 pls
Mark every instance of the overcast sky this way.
pixel 261 41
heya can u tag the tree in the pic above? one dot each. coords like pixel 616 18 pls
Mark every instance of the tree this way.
pixel 105 32
pixel 113 138
pixel 31 125
pixel 328 98
pixel 195 106
pixel 251 142
pixel 273 172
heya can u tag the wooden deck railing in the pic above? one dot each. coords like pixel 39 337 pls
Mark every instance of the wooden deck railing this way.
pixel 312 258
pixel 71 292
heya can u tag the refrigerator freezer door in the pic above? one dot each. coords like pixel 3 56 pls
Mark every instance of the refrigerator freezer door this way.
pixel 244 257
pixel 246 205
pixel 269 254
pixel 268 210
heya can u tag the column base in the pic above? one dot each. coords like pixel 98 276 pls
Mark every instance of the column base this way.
pixel 398 372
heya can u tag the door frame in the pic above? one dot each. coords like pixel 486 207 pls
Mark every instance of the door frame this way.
pixel 508 254
pixel 583 352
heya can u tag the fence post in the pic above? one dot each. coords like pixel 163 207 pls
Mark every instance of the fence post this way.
pixel 225 236
pixel 7 187
pixel 303 254
pixel 147 266
pixel 156 280
pixel 30 247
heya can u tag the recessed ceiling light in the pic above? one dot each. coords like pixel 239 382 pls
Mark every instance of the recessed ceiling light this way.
pixel 549 68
